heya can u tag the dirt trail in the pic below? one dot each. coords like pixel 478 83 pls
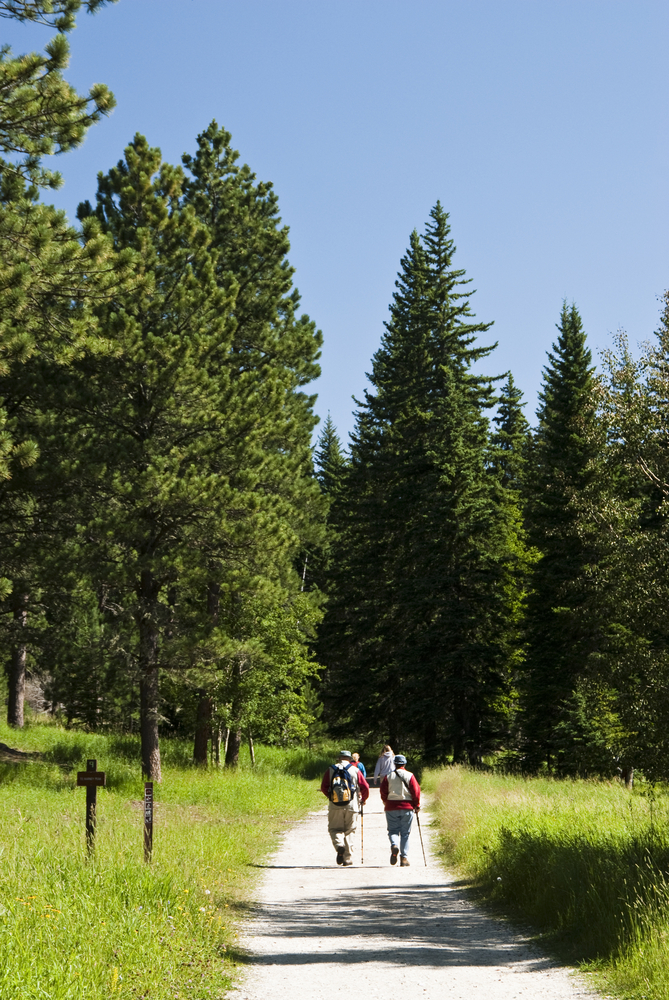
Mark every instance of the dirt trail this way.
pixel 322 932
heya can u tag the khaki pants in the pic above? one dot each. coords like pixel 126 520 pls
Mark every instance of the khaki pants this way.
pixel 342 824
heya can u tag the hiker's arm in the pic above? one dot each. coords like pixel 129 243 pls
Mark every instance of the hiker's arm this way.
pixel 364 788
pixel 325 784
pixel 414 788
pixel 384 789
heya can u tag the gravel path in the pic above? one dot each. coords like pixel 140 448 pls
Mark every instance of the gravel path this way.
pixel 371 931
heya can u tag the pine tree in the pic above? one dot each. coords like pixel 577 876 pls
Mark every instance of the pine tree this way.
pixel 44 268
pixel 563 627
pixel 330 465
pixel 47 277
pixel 141 420
pixel 330 459
pixel 189 438
pixel 420 594
pixel 274 351
pixel 509 443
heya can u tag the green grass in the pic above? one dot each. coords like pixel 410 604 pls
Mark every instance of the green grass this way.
pixel 71 928
pixel 586 863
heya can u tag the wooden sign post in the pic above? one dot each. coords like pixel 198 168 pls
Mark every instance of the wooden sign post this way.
pixel 148 820
pixel 91 779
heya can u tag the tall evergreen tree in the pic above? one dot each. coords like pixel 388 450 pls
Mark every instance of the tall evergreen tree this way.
pixel 47 279
pixel 562 626
pixel 509 443
pixel 189 438
pixel 414 634
pixel 275 351
pixel 330 463
pixel 43 266
pixel 330 459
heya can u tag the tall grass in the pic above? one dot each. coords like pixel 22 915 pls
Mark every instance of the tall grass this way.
pixel 585 862
pixel 73 928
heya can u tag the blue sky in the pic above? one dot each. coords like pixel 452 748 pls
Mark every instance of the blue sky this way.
pixel 541 125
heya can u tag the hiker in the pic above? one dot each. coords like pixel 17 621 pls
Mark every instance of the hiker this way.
pixel 359 764
pixel 346 791
pixel 401 797
pixel 384 764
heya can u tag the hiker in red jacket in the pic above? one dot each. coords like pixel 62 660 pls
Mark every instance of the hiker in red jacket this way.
pixel 401 797
pixel 346 791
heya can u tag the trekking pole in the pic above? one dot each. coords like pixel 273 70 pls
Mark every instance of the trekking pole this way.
pixel 421 839
pixel 362 834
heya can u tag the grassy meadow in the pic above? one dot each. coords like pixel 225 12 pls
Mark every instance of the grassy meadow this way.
pixel 74 929
pixel 585 862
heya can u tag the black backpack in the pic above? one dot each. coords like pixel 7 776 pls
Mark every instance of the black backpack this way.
pixel 342 785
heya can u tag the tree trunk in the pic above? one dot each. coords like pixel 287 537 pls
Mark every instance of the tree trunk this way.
pixel 213 601
pixel 17 666
pixel 233 747
pixel 430 739
pixel 216 741
pixel 628 776
pixel 149 693
pixel 252 751
pixel 202 731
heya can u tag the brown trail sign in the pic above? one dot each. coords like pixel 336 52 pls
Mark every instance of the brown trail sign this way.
pixel 148 820
pixel 91 779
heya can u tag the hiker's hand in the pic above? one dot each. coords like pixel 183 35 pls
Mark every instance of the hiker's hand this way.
pixel 416 809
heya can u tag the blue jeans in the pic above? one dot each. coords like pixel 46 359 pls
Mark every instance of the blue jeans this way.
pixel 399 827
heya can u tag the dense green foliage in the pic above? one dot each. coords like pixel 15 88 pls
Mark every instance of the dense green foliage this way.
pixel 585 862
pixel 159 493
pixel 495 591
pixel 178 558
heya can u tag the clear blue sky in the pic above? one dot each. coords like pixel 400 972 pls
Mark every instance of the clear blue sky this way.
pixel 541 125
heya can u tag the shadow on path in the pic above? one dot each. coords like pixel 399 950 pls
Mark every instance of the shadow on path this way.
pixel 407 925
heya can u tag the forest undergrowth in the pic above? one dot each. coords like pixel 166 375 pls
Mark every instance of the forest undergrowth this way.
pixel 586 863
pixel 79 929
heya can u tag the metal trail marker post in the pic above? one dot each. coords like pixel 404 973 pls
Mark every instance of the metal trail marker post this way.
pixel 91 779
pixel 148 820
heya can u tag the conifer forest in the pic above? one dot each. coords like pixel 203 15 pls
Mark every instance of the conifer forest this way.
pixel 184 552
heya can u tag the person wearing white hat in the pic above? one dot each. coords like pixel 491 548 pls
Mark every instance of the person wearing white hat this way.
pixel 346 790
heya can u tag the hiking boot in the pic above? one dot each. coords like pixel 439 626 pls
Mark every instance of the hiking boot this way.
pixel 340 857
pixel 347 864
pixel 404 862
pixel 394 851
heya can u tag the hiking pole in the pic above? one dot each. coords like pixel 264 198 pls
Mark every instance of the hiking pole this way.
pixel 421 839
pixel 362 834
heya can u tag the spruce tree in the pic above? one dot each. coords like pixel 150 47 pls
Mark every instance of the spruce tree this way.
pixel 330 459
pixel 563 628
pixel 414 633
pixel 330 462
pixel 509 443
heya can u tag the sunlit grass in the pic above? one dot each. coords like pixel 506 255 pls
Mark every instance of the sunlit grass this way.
pixel 114 926
pixel 585 862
